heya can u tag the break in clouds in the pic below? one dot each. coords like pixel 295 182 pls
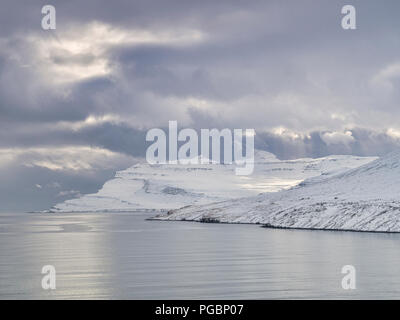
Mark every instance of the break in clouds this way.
pixel 76 102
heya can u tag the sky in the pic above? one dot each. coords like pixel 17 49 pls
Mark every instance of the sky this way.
pixel 76 102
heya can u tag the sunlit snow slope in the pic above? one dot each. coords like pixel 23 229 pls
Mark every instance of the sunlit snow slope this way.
pixel 157 187
pixel 363 199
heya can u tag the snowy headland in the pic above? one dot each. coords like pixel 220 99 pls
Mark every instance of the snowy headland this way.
pixel 360 199
pixel 165 187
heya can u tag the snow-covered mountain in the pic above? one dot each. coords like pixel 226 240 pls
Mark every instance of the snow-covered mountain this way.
pixel 164 187
pixel 363 199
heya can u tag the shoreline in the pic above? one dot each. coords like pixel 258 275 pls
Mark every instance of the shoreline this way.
pixel 268 226
pixel 211 221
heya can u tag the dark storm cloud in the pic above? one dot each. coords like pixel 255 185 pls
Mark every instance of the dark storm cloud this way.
pixel 251 55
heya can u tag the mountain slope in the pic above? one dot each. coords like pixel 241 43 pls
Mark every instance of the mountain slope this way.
pixel 158 187
pixel 363 199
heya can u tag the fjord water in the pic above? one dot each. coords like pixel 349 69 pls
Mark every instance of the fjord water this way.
pixel 123 256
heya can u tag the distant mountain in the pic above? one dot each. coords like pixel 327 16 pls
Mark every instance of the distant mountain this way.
pixel 164 187
pixel 363 199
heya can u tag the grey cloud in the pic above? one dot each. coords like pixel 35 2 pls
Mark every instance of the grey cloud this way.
pixel 365 143
pixel 244 55
pixel 64 58
pixel 21 194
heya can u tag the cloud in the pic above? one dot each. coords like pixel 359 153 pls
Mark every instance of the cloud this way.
pixel 82 97
pixel 153 67
pixel 337 138
pixel 394 133
pixel 69 193
pixel 29 184
pixel 65 158
pixel 83 51
pixel 357 141
pixel 386 77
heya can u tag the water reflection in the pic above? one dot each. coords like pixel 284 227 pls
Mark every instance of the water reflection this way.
pixel 117 255
pixel 79 253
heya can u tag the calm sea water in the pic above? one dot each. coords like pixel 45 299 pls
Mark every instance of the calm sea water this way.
pixel 123 256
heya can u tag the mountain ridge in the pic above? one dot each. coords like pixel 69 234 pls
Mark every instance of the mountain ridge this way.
pixel 165 187
pixel 360 199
